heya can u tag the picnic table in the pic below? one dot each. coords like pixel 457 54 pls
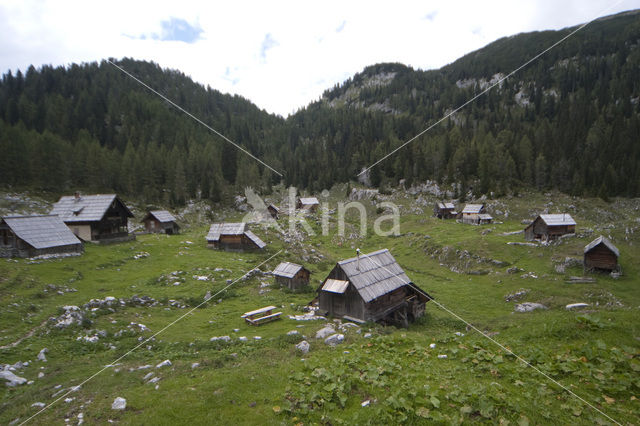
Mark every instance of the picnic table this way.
pixel 261 316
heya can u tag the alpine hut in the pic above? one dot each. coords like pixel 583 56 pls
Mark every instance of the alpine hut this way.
pixel 102 218
pixel 371 287
pixel 31 236
pixel 547 227
pixel 160 221
pixel 309 204
pixel 292 275
pixel 601 255
pixel 233 237
pixel 475 214
pixel 445 211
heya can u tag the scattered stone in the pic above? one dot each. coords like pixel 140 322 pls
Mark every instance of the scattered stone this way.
pixel 516 296
pixel 40 375
pixel 293 333
pixel 442 356
pixel 365 403
pixel 242 338
pixel 432 345
pixel 154 380
pixel 41 354
pixel 38 404
pixel 207 296
pixel 147 377
pixel 576 305
pixel 11 379
pixel 119 404
pixel 68 400
pixel 528 307
pixel 257 338
pixel 367 335
pixel 580 280
pixel 165 363
pixel 513 270
pixel 518 243
pixel 223 338
pixel 459 334
pixel 325 332
pixel 72 316
pixel 195 365
pixel 310 316
pixel 303 347
pixel 334 339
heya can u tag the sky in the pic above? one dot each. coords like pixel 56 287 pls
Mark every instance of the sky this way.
pixel 280 55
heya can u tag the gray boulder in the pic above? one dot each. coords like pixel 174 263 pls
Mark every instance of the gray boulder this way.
pixel 41 355
pixel 334 339
pixel 528 307
pixel 119 404
pixel 576 305
pixel 325 332
pixel 11 379
pixel 303 347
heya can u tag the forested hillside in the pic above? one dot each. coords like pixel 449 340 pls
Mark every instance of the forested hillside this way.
pixel 570 120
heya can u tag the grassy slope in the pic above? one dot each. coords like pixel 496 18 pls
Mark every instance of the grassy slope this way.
pixel 266 381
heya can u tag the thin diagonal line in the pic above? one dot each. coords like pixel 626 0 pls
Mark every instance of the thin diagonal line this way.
pixel 488 88
pixel 505 348
pixel 195 118
pixel 146 340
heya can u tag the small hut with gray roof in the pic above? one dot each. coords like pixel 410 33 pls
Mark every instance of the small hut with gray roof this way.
pixel 445 211
pixel 371 287
pixel 31 236
pixel 548 227
pixel 100 218
pixel 161 221
pixel 601 255
pixel 292 275
pixel 233 237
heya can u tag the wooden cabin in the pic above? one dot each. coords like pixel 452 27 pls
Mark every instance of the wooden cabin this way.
pixel 273 211
pixel 101 218
pixel 31 236
pixel 371 287
pixel 233 237
pixel 292 275
pixel 160 222
pixel 310 204
pixel 445 211
pixel 601 255
pixel 475 214
pixel 548 227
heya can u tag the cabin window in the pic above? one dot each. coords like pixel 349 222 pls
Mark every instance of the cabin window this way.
pixel 5 237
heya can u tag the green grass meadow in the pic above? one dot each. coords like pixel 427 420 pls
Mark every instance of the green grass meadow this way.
pixel 393 377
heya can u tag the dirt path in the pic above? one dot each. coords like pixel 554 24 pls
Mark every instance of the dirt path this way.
pixel 26 336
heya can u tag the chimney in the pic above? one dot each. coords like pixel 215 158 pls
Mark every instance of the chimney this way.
pixel 358 256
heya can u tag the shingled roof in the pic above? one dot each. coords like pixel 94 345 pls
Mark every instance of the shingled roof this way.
pixel 558 219
pixel 41 232
pixel 85 208
pixel 446 206
pixel 374 274
pixel 309 201
pixel 472 208
pixel 602 240
pixel 218 229
pixel 162 216
pixel 287 270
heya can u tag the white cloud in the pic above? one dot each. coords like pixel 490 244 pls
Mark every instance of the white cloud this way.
pixel 280 55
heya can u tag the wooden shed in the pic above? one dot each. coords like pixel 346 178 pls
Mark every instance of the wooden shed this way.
pixel 601 255
pixel 475 214
pixel 371 287
pixel 292 275
pixel 273 211
pixel 233 237
pixel 310 204
pixel 102 218
pixel 445 211
pixel 161 222
pixel 548 227
pixel 31 236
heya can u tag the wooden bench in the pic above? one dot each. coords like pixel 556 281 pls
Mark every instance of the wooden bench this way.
pixel 261 316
